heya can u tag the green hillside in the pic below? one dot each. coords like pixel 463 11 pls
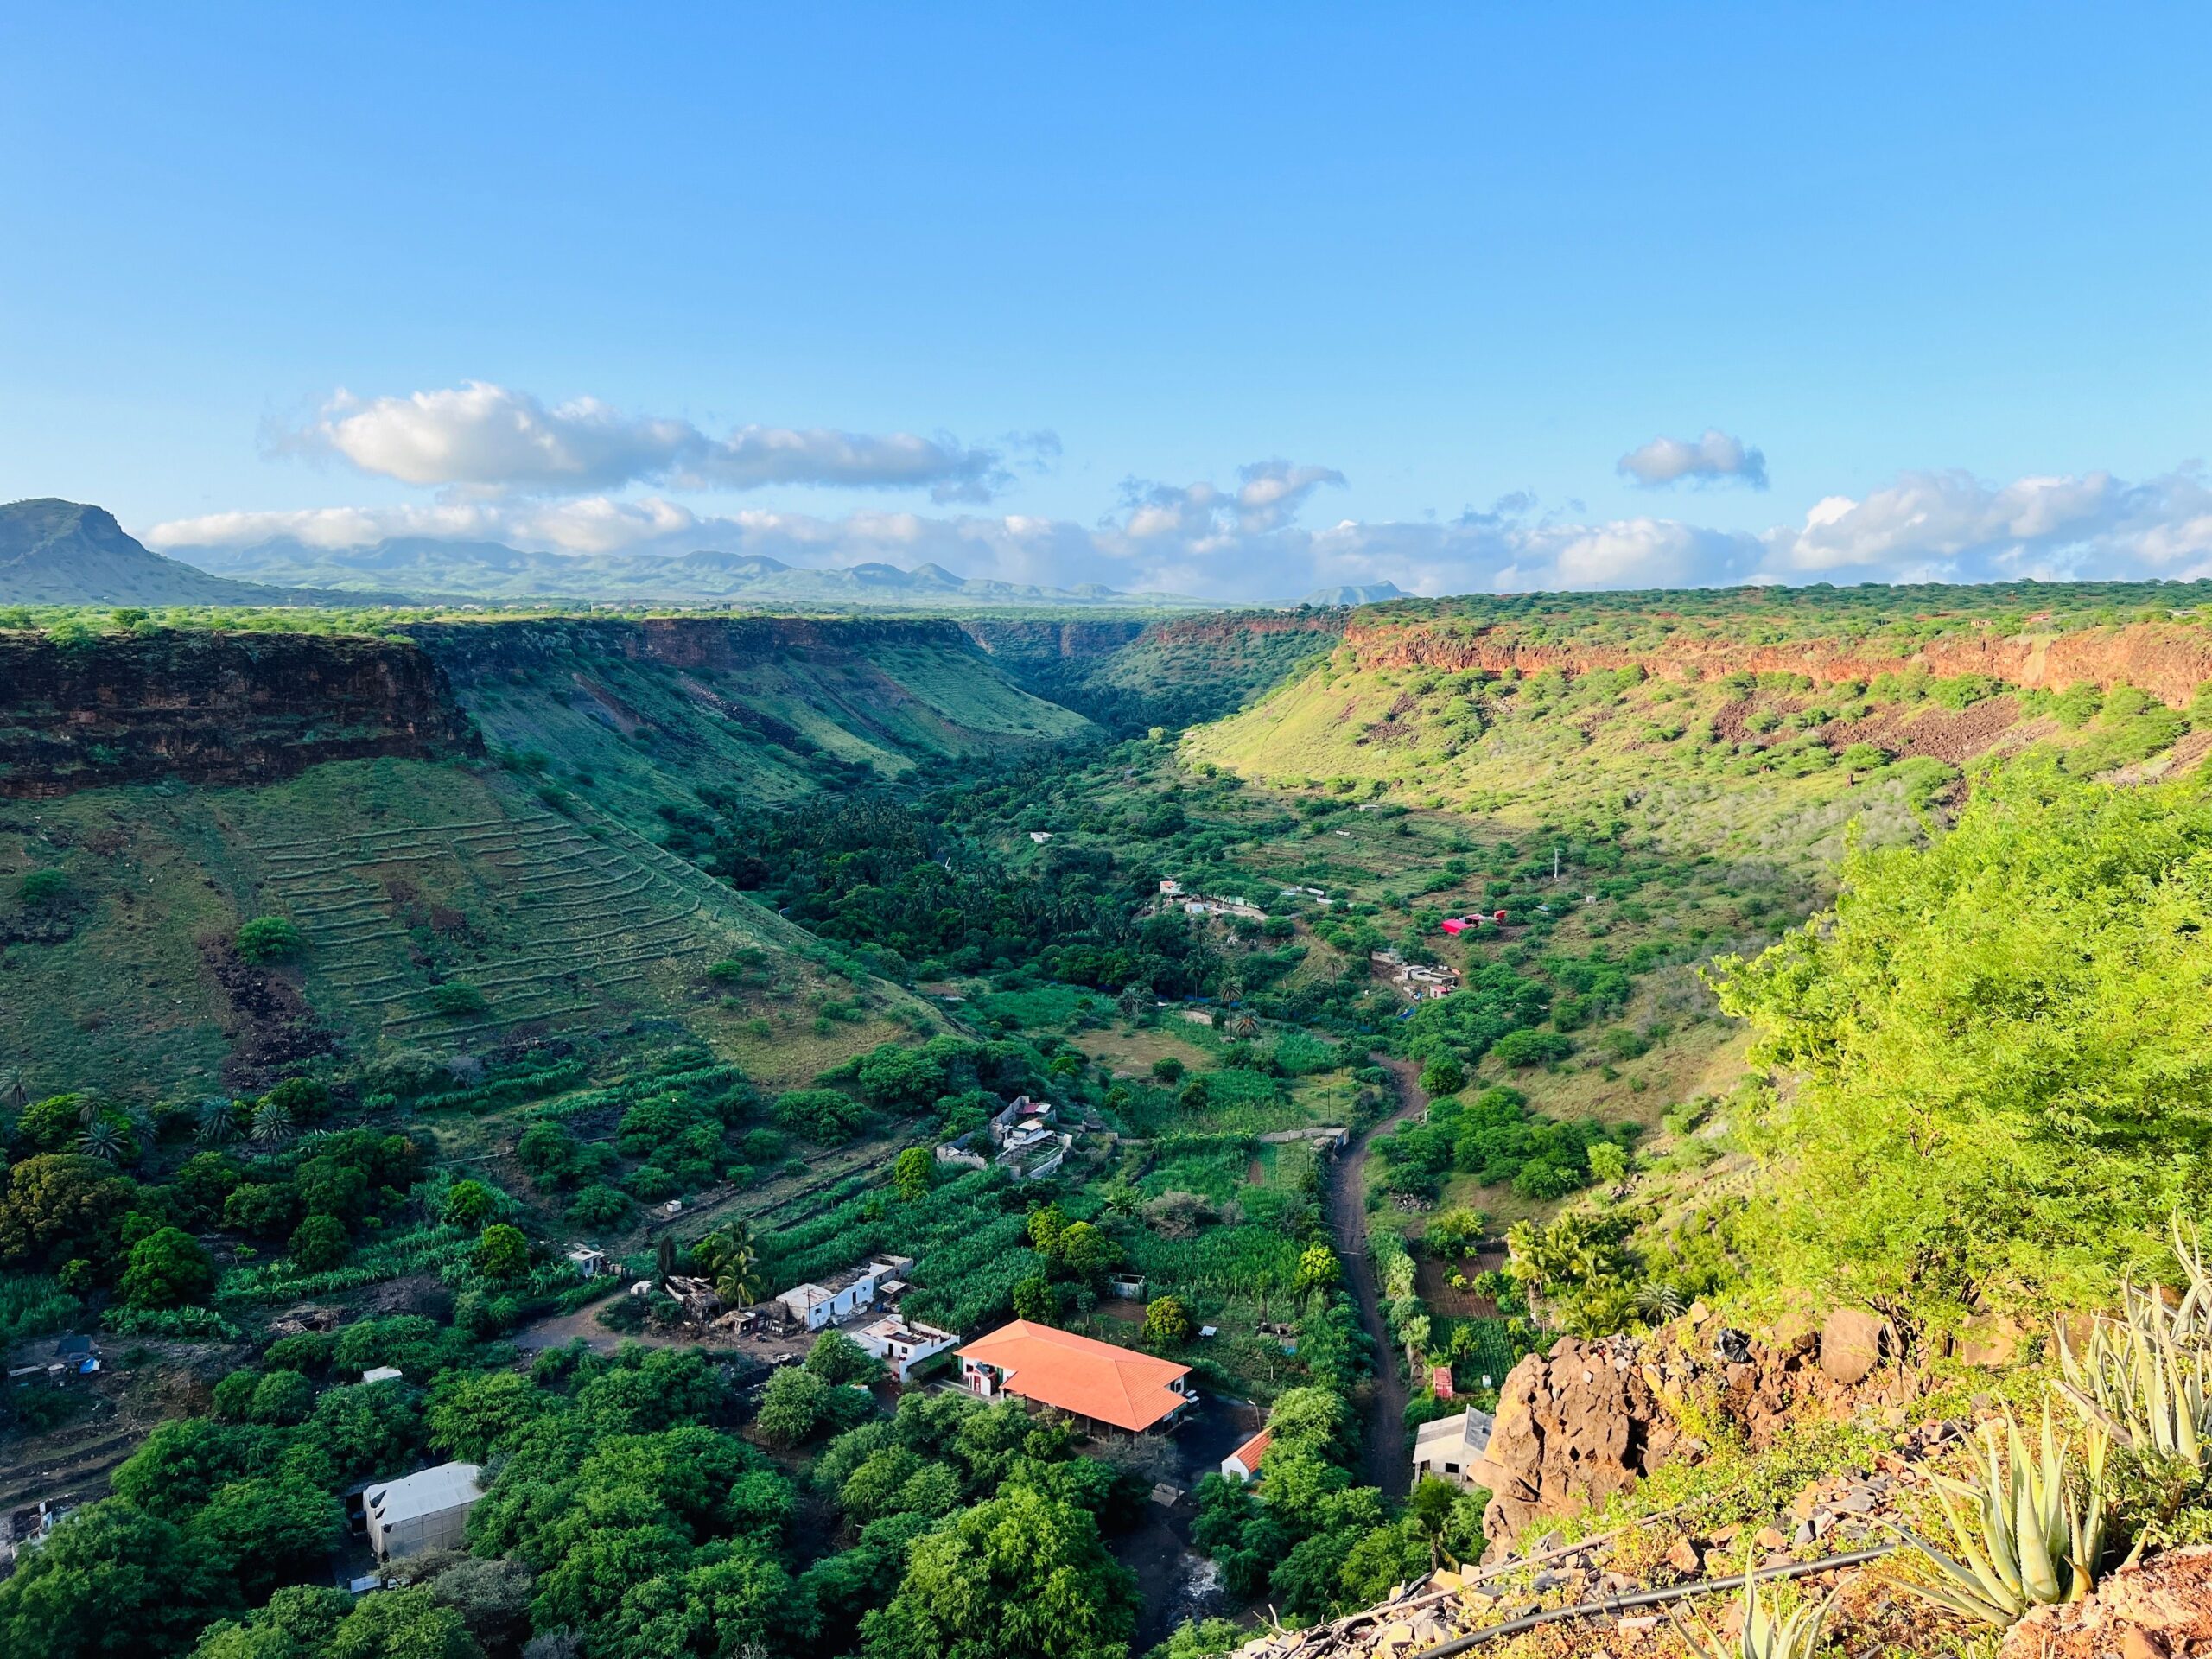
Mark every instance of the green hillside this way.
pixel 439 909
pixel 638 715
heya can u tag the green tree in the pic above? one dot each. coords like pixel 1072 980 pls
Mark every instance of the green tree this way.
pixel 1993 1064
pixel 836 1358
pixel 269 1530
pixel 471 1412
pixel 1034 1300
pixel 1318 1268
pixel 1443 1076
pixel 1085 1251
pixel 1168 1322
pixel 793 1406
pixel 270 938
pixel 59 1207
pixel 502 1252
pixel 51 1124
pixel 283 1398
pixel 110 1580
pixel 913 1173
pixel 319 1243
pixel 168 1267
pixel 470 1204
pixel 1021 1576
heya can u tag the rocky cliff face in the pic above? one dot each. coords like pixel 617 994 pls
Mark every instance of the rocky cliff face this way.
pixel 2168 661
pixel 213 708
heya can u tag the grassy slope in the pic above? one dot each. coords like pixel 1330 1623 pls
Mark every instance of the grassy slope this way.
pixel 647 732
pixel 400 872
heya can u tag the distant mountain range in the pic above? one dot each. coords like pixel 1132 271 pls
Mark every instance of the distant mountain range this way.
pixel 490 570
pixel 1372 592
pixel 54 552
pixel 65 553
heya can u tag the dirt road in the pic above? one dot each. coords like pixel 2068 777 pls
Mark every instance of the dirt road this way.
pixel 1345 1194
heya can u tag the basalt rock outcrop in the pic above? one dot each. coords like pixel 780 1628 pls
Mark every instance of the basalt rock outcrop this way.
pixel 211 707
pixel 1573 1427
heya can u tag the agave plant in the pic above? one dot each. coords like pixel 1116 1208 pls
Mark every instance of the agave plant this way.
pixel 1767 1633
pixel 2146 1378
pixel 2029 1528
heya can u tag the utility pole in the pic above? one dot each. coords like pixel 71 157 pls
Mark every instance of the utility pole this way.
pixel 1555 860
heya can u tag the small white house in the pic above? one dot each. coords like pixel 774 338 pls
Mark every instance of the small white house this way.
pixel 1243 1464
pixel 427 1509
pixel 902 1343
pixel 814 1307
pixel 381 1374
pixel 1449 1448
pixel 589 1262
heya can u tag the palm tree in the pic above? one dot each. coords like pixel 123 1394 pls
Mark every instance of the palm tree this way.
pixel 730 1260
pixel 219 1124
pixel 104 1140
pixel 272 1125
pixel 1244 1025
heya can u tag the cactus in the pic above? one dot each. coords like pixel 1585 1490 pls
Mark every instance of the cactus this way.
pixel 2028 1529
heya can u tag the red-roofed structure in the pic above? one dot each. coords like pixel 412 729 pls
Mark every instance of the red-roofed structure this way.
pixel 1096 1382
pixel 1243 1464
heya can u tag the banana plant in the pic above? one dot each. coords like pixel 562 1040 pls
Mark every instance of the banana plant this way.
pixel 2028 1528
pixel 1767 1632
pixel 2146 1377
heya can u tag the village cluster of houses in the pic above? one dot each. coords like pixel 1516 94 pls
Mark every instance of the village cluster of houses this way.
pixel 1025 1140
pixel 1418 980
pixel 1173 896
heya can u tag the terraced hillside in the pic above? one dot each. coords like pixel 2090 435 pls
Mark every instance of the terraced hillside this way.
pixel 439 908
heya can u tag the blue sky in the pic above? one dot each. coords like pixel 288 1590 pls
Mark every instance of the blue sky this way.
pixel 1946 270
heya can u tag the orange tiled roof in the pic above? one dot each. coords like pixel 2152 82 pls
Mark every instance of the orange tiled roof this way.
pixel 1253 1450
pixel 1072 1373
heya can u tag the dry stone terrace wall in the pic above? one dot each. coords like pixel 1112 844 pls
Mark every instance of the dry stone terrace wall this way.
pixel 213 708
pixel 579 916
pixel 2167 661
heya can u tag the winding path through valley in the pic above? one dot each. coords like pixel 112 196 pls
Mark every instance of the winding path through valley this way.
pixel 1345 1191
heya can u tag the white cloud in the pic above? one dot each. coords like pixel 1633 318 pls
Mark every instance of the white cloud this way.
pixel 1244 543
pixel 1712 458
pixel 488 439
pixel 2053 528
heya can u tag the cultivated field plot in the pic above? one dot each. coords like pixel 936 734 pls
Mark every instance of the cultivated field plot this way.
pixel 467 915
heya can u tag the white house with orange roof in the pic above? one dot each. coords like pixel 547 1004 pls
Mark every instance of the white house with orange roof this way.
pixel 1095 1382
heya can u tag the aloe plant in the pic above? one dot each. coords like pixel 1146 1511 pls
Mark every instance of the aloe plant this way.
pixel 2146 1378
pixel 1767 1632
pixel 2028 1529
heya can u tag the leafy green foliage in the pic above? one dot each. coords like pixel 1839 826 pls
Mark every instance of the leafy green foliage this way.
pixel 269 939
pixel 2000 1093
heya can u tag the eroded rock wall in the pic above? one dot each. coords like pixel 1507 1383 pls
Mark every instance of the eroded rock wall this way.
pixel 213 708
